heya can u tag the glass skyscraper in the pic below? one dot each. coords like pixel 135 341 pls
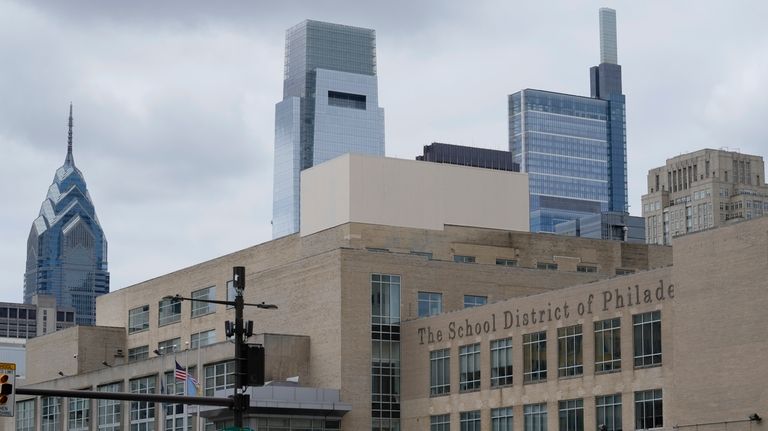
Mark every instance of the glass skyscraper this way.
pixel 574 147
pixel 66 249
pixel 329 108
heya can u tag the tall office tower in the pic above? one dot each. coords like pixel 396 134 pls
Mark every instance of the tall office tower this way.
pixel 66 249
pixel 574 147
pixel 329 108
pixel 702 190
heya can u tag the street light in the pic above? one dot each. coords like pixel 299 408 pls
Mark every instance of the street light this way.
pixel 241 400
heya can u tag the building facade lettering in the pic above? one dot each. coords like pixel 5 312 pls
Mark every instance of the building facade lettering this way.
pixel 606 300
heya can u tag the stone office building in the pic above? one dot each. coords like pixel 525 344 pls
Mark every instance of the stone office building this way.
pixel 345 290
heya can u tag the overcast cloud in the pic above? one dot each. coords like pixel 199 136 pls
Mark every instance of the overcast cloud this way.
pixel 174 101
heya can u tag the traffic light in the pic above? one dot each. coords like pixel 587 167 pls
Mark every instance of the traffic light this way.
pixel 254 365
pixel 6 388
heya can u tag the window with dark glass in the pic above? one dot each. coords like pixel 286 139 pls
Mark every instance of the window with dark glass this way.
pixel 546 266
pixel 474 300
pixel 169 346
pixel 440 372
pixel 569 351
pixel 648 410
pixel 463 259
pixel 506 262
pixel 109 410
pixel 608 412
pixel 138 319
pixel 142 412
pixel 200 308
pixel 501 419
pixel 440 423
pixel 385 351
pixel 469 367
pixel 647 338
pixel 535 357
pixel 501 362
pixel 138 353
pixel 586 268
pixel 608 345
pixel 346 100
pixel 535 417
pixel 469 421
pixel 571 416
pixel 79 414
pixel 430 304
pixel 169 311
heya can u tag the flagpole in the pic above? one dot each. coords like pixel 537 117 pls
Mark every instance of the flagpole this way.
pixel 186 384
pixel 199 382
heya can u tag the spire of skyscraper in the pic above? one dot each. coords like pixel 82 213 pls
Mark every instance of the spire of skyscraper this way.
pixel 608 45
pixel 66 248
pixel 70 160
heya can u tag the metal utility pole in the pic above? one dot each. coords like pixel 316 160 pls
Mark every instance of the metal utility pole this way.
pixel 241 401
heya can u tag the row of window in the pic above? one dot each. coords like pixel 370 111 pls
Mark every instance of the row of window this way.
pixel 169 310
pixel 218 376
pixel 198 339
pixel 608 416
pixel 646 329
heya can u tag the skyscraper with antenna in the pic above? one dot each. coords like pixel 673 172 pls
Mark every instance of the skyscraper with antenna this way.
pixel 574 148
pixel 66 248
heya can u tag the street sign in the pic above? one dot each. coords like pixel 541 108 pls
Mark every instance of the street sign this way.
pixel 7 390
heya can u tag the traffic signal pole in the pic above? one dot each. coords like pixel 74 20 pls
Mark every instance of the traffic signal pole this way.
pixel 241 400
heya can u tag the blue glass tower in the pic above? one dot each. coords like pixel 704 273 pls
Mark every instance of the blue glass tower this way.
pixel 66 249
pixel 329 108
pixel 574 147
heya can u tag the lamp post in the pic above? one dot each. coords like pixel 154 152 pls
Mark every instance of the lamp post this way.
pixel 241 400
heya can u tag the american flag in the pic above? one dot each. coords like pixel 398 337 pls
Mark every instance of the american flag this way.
pixel 182 374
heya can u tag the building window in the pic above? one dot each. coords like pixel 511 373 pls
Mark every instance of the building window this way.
pixel 469 421
pixel 25 415
pixel 79 418
pixel 648 410
pixel 346 100
pixel 501 362
pixel 219 376
pixel 474 301
pixel 622 271
pixel 138 353
pixel 535 357
pixel 571 415
pixel 174 413
pixel 608 345
pixel 169 311
pixel 200 308
pixel 430 304
pixel 535 417
pixel 440 423
pixel 138 319
pixel 647 328
pixel 169 346
pixel 608 412
pixel 569 351
pixel 501 419
pixel 506 262
pixel 426 254
pixel 142 412
pixel 109 410
pixel 50 413
pixel 586 268
pixel 201 339
pixel 463 259
pixel 385 351
pixel 546 266
pixel 469 367
pixel 440 372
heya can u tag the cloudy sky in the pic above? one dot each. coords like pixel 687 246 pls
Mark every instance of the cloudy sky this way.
pixel 174 100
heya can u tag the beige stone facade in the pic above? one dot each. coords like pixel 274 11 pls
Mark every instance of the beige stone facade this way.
pixel 703 190
pixel 322 284
pixel 408 193
pixel 712 369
